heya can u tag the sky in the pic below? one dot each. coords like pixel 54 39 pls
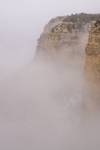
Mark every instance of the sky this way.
pixel 22 21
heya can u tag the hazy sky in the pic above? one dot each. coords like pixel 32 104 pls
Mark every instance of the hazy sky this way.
pixel 48 7
pixel 21 22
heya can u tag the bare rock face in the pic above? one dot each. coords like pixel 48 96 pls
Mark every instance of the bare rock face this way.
pixel 93 51
pixel 59 36
pixel 93 47
pixel 67 35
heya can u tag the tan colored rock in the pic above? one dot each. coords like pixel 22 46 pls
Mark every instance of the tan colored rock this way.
pixel 93 52
pixel 66 34
pixel 58 37
pixel 93 47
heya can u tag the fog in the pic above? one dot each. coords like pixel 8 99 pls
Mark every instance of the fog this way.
pixel 22 21
pixel 46 106
pixel 49 105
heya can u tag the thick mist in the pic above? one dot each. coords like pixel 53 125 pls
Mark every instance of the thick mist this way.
pixel 44 105
pixel 47 105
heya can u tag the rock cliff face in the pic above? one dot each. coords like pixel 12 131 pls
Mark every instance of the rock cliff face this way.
pixel 93 47
pixel 60 35
pixel 66 35
pixel 57 36
pixel 93 51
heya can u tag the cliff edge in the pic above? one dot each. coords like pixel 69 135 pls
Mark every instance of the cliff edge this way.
pixel 65 34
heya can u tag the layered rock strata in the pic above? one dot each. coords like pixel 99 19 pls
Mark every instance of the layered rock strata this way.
pixel 93 51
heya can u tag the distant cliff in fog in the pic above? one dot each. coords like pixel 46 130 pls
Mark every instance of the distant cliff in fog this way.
pixel 64 32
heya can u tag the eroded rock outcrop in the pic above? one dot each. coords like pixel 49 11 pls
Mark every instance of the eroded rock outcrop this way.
pixel 92 67
pixel 66 34
pixel 93 51
pixel 61 35
pixel 58 36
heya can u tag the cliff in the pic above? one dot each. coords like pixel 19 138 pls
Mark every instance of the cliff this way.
pixel 93 51
pixel 93 47
pixel 64 34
